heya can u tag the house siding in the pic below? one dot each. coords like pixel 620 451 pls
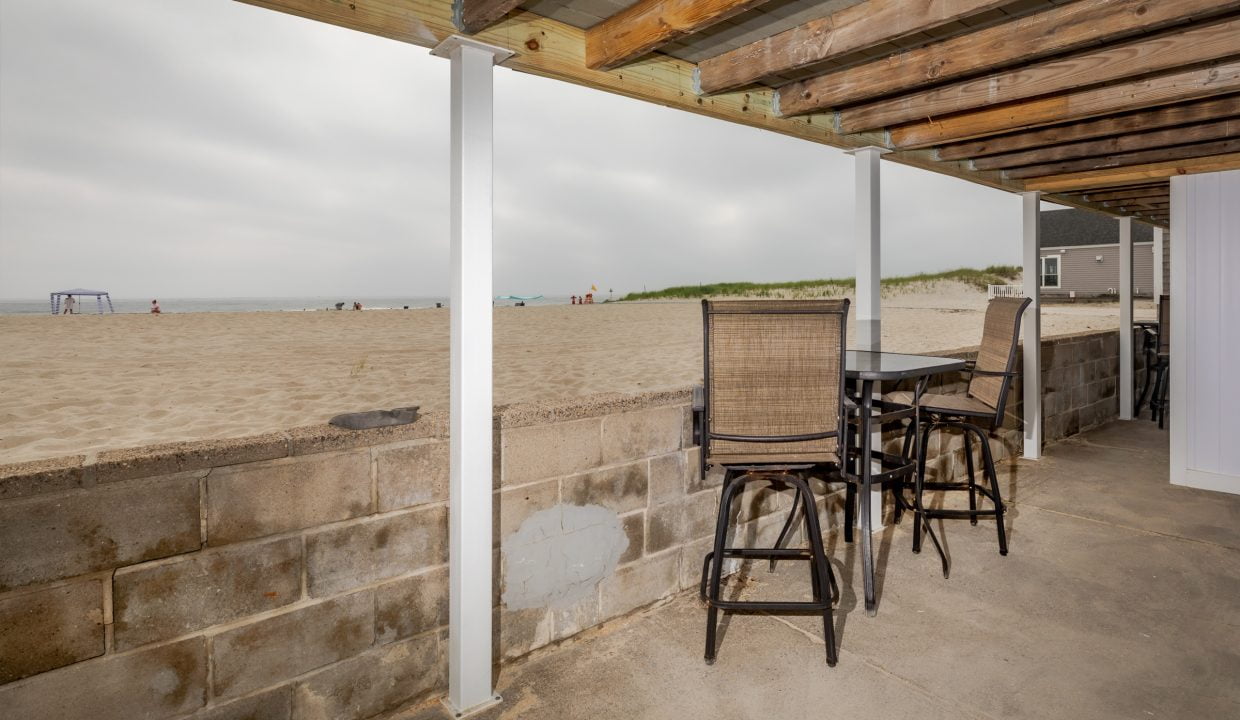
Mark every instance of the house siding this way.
pixel 1080 271
pixel 1166 263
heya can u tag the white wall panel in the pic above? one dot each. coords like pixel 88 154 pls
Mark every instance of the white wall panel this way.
pixel 1205 331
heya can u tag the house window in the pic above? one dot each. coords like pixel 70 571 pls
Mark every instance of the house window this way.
pixel 1050 272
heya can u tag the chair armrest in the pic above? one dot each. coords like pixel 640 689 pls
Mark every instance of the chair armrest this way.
pixel 995 373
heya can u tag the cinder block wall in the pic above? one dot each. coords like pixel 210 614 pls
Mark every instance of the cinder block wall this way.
pixel 304 574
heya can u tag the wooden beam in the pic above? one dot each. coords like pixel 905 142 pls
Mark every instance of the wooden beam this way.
pixel 556 50
pixel 1158 54
pixel 649 24
pixel 1165 197
pixel 1136 95
pixel 1140 157
pixel 1159 190
pixel 1199 111
pixel 1058 30
pixel 474 16
pixel 1219 130
pixel 861 26
pixel 1133 175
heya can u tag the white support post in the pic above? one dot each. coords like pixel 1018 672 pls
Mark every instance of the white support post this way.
pixel 1031 378
pixel 470 426
pixel 1158 264
pixel 1125 318
pixel 867 235
pixel 868 243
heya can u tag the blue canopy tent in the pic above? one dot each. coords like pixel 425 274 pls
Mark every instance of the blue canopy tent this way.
pixel 99 295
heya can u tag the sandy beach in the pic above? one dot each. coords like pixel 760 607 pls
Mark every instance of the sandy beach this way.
pixel 87 383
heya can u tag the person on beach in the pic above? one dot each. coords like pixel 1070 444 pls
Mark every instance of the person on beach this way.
pixel 155 307
pixel 70 303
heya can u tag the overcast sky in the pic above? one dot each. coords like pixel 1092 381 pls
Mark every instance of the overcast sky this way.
pixel 204 148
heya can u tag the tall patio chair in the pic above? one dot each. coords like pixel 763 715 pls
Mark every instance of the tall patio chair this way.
pixel 977 414
pixel 773 411
pixel 1158 401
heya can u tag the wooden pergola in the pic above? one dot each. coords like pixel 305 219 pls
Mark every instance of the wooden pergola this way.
pixel 1095 104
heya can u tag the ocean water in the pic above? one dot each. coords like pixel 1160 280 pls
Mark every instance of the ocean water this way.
pixel 247 304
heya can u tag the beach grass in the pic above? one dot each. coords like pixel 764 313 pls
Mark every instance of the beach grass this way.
pixel 830 287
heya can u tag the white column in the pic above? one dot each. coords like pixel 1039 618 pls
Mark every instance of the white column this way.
pixel 868 243
pixel 1031 377
pixel 867 236
pixel 1125 318
pixel 1158 264
pixel 469 631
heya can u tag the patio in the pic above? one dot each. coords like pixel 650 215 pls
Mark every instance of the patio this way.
pixel 1117 600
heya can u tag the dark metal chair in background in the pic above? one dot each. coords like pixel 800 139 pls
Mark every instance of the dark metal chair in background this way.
pixel 1158 402
pixel 773 411
pixel 977 414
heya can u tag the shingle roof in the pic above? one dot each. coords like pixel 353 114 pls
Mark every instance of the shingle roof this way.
pixel 1072 227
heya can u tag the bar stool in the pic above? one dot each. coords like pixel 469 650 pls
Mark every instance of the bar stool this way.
pixel 772 411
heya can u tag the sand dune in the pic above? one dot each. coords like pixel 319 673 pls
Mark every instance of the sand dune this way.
pixel 87 383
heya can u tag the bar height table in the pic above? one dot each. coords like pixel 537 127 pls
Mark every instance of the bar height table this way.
pixel 866 368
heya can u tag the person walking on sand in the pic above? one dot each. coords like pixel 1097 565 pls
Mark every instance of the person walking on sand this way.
pixel 69 305
pixel 155 307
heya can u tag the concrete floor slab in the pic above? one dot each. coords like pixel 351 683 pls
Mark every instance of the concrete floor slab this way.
pixel 1120 598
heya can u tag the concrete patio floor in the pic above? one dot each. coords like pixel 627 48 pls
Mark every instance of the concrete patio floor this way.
pixel 1120 599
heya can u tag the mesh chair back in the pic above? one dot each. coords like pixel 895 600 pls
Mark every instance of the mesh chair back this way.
pixel 1164 324
pixel 774 377
pixel 1000 335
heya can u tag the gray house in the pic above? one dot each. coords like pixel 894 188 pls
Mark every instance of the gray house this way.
pixel 1080 255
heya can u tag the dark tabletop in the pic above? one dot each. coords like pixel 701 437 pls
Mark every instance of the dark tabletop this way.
pixel 865 365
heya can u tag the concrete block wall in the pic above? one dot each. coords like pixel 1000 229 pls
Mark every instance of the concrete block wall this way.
pixel 304 574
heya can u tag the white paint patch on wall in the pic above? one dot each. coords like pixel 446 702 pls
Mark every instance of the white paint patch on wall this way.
pixel 559 555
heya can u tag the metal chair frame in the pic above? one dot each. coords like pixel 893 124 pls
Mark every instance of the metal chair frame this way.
pixel 781 475
pixel 981 426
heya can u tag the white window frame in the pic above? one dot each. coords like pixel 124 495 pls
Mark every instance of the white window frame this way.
pixel 1058 271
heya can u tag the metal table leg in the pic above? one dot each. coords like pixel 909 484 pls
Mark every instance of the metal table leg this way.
pixel 867 555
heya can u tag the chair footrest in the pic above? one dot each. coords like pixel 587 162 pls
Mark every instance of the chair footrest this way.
pixel 771 606
pixel 958 513
pixel 958 487
pixel 764 553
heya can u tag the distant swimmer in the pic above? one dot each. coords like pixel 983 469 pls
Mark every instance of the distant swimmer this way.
pixel 155 307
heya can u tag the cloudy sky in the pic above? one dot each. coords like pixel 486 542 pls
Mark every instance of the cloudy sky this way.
pixel 204 148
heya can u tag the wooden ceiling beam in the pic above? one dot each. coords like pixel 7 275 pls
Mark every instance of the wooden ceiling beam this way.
pixel 650 24
pixel 1165 52
pixel 1205 132
pixel 860 26
pixel 1175 87
pixel 1199 111
pixel 474 16
pixel 1140 207
pixel 1060 29
pixel 1159 190
pixel 1140 157
pixel 1133 175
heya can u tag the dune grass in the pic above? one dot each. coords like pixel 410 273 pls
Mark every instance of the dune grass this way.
pixel 832 287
